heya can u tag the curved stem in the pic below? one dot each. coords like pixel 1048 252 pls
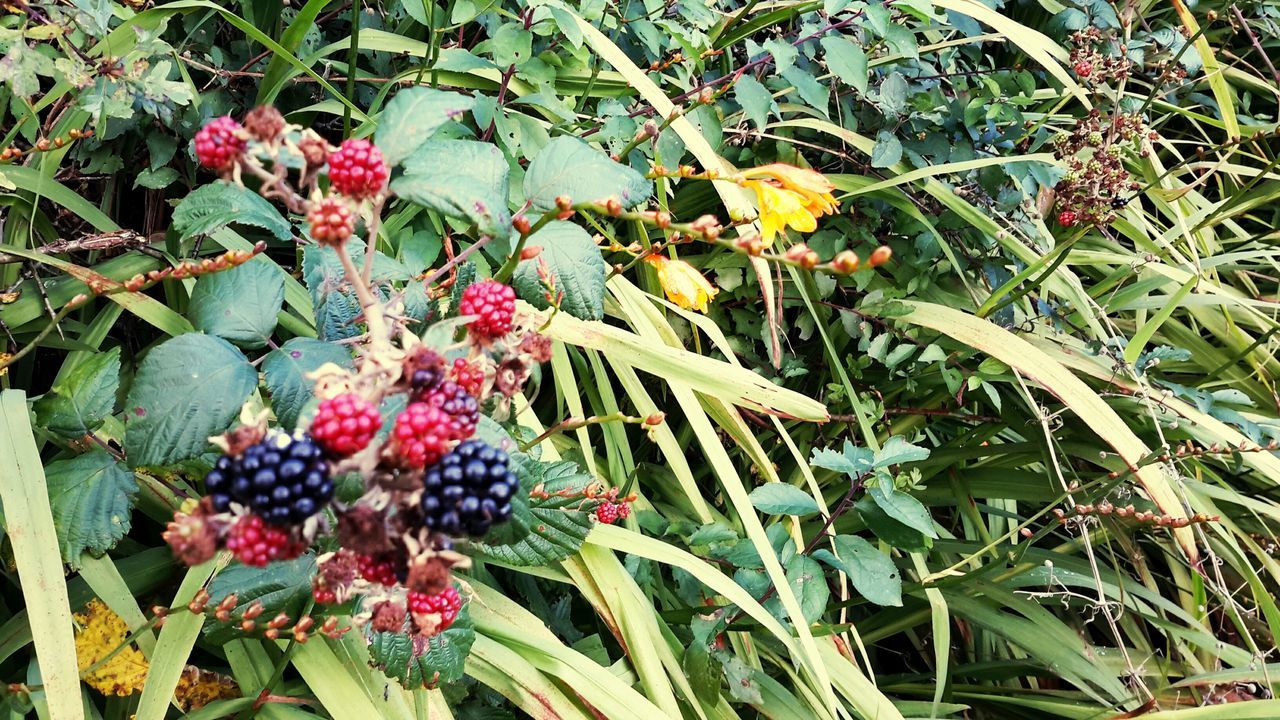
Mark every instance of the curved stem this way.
pixel 373 312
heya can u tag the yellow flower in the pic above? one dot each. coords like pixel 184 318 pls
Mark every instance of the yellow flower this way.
pixel 101 632
pixel 789 196
pixel 682 283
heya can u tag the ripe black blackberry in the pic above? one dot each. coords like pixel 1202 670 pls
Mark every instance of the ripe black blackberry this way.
pixel 452 398
pixel 468 491
pixel 284 479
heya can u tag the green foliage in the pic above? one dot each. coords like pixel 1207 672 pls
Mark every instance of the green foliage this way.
pixel 569 259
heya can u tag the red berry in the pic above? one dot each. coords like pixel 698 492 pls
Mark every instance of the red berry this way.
pixel 380 572
pixel 1084 68
pixel 345 425
pixel 1067 218
pixel 469 376
pixel 219 144
pixel 324 596
pixel 624 511
pixel 423 434
pixel 258 544
pixel 446 604
pixel 357 170
pixel 607 513
pixel 331 220
pixel 493 304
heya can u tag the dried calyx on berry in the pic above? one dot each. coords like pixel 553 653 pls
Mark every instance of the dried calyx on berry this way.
pixel 264 123
pixel 434 614
pixel 469 490
pixel 284 479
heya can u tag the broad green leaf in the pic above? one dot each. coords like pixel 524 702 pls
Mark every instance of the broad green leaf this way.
pixel 783 499
pixel 852 460
pixel 418 662
pixel 807 581
pixel 414 115
pixel 816 94
pixel 889 530
pixel 756 100
pixel 896 451
pixel 847 60
pixel 92 500
pixel 872 573
pixel 572 258
pixel 558 525
pixel 285 373
pixel 81 400
pixel 568 166
pixel 281 587
pixel 187 389
pixel 219 204
pixel 240 305
pixel 335 303
pixel 902 507
pixel 462 179
pixel 887 151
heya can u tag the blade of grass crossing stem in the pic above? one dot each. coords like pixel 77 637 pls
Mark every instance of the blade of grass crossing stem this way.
pixel 734 487
pixel 353 652
pixel 941 620
pixel 1012 350
pixel 274 77
pixel 173 647
pixel 612 601
pixel 504 671
pixel 567 387
pixel 37 183
pixel 335 686
pixel 1144 334
pixel 29 526
pixel 501 619
pixel 108 584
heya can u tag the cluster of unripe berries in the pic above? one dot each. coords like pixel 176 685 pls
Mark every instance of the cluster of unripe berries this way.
pixel 357 169
pixel 1097 184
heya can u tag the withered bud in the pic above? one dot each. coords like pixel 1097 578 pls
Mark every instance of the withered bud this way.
pixel 363 529
pixel 388 616
pixel 264 123
pixel 651 128
pixel 193 536
pixel 315 151
pixel 655 419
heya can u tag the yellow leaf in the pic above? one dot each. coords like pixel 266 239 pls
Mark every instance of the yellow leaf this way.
pixel 118 669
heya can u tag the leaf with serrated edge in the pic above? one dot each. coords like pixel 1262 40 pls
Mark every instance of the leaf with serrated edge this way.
pixel 872 573
pixel 79 403
pixel 413 116
pixel 220 204
pixel 569 166
pixel 285 372
pixel 558 525
pixel 240 304
pixel 92 500
pixel 187 389
pixel 573 260
pixel 416 661
pixel 474 188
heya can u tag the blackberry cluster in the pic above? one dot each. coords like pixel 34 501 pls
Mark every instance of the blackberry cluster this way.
pixel 284 479
pixel 458 404
pixel 469 490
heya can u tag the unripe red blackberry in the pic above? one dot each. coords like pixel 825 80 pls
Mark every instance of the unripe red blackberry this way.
pixel 264 123
pixel 469 375
pixel 1084 68
pixel 452 398
pixel 344 425
pixel 332 222
pixel 256 544
pixel 378 571
pixel 422 435
pixel 1067 218
pixel 446 604
pixel 607 513
pixel 219 144
pixel 493 304
pixel 468 491
pixel 357 169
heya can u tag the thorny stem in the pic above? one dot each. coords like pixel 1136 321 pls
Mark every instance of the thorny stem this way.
pixel 578 423
pixel 373 311
pixel 509 266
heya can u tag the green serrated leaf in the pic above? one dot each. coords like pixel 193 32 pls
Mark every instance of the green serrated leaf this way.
pixel 574 261
pixel 220 204
pixel 281 587
pixel 187 389
pixel 79 403
pixel 569 166
pixel 889 530
pixel 417 662
pixel 335 303
pixel 783 499
pixel 92 500
pixel 559 525
pixel 285 373
pixel 462 179
pixel 852 460
pixel 896 451
pixel 240 304
pixel 157 178
pixel 872 573
pixel 414 115
pixel 887 152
